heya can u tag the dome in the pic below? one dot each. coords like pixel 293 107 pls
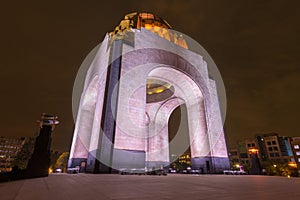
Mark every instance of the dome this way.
pixel 152 23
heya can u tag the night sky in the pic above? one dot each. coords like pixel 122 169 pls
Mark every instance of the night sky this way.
pixel 255 44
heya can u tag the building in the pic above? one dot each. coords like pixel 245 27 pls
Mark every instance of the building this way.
pixel 274 148
pixel 140 74
pixel 295 146
pixel 9 149
pixel 285 147
pixel 234 157
pixel 244 147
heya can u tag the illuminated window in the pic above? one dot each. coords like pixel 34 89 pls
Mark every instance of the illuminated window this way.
pixel 298 153
pixel 296 146
pixel 298 159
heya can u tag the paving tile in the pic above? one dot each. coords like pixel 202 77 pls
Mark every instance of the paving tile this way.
pixel 174 186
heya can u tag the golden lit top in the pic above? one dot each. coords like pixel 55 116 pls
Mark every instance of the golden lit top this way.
pixel 152 23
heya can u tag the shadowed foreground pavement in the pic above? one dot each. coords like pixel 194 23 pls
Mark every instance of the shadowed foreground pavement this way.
pixel 88 186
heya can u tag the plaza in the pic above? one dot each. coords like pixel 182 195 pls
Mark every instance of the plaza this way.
pixel 173 186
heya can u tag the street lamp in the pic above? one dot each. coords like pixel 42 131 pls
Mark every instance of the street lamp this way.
pixel 292 164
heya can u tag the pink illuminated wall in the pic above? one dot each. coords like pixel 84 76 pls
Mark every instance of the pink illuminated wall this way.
pixel 143 126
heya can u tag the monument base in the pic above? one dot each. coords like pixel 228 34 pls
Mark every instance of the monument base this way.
pixel 128 159
pixel 209 165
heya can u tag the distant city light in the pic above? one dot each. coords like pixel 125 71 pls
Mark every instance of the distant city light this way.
pixel 253 151
pixel 292 164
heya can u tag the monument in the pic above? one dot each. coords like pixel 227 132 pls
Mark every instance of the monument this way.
pixel 140 73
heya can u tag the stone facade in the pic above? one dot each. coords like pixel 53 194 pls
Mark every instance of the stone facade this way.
pixel 120 126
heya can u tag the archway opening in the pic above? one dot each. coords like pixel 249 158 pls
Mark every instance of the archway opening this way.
pixel 184 141
pixel 179 140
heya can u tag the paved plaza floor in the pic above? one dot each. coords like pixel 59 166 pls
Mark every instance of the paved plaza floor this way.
pixel 173 186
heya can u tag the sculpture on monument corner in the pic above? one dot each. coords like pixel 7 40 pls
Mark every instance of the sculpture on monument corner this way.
pixel 38 164
pixel 141 72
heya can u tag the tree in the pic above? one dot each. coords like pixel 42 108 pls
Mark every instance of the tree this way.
pixel 278 169
pixel 53 158
pixel 62 161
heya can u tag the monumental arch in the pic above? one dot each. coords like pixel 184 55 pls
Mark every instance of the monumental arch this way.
pixel 141 72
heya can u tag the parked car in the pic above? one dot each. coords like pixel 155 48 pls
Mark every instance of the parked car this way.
pixel 57 170
pixel 74 170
